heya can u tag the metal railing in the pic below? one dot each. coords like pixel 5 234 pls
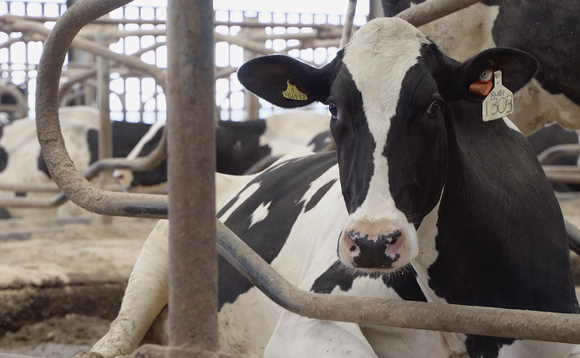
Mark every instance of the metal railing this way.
pixel 432 316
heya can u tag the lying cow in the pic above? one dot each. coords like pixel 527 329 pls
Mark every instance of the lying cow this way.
pixel 428 203
pixel 22 163
pixel 549 30
pixel 239 145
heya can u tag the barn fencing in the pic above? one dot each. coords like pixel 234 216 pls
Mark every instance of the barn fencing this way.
pixel 432 316
pixel 139 31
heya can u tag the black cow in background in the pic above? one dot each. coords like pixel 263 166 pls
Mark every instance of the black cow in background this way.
pixel 239 145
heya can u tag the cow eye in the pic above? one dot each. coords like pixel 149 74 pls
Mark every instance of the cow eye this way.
pixel 434 109
pixel 333 110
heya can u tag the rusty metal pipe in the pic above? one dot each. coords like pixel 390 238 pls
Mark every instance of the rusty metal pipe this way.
pixel 429 11
pixel 77 188
pixel 486 321
pixel 348 20
pixel 191 172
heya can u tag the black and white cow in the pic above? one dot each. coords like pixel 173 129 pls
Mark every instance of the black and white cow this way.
pixel 428 203
pixel 20 157
pixel 549 30
pixel 239 145
pixel 22 163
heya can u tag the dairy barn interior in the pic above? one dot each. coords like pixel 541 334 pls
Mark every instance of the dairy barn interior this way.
pixel 64 268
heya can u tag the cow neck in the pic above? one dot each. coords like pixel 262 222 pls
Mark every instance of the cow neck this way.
pixel 487 243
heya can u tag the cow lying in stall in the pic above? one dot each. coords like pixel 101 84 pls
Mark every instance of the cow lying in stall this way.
pixel 546 29
pixel 428 203
pixel 22 163
pixel 239 145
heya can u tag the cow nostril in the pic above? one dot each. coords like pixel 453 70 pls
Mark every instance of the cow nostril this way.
pixel 353 248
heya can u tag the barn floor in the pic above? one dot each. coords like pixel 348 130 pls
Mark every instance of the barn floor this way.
pixel 61 280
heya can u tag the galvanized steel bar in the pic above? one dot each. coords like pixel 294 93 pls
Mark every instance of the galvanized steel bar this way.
pixel 558 151
pixel 563 173
pixel 191 168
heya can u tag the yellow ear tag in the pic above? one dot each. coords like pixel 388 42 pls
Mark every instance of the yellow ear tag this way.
pixel 293 93
pixel 500 101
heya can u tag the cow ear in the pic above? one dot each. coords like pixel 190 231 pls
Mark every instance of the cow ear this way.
pixel 517 68
pixel 284 81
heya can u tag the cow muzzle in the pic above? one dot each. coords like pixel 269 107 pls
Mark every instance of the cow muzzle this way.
pixel 377 245
pixel 123 177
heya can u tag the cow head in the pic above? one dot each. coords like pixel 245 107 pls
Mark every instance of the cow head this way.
pixel 389 93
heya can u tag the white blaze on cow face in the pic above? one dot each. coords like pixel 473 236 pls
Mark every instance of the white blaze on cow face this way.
pixel 378 57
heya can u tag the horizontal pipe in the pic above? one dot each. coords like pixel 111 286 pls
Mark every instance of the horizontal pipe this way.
pixel 485 321
pixel 428 11
pixel 563 173
pixel 558 151
pixel 246 23
pixel 23 188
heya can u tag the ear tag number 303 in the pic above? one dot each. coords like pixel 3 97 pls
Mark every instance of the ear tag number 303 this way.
pixel 500 101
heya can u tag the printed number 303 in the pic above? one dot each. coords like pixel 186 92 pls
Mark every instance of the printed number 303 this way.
pixel 499 105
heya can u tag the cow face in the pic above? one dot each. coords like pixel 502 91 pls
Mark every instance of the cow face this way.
pixel 388 93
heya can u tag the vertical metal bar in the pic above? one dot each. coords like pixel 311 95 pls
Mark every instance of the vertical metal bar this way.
pixel 252 104
pixel 105 130
pixel 348 21
pixel 191 167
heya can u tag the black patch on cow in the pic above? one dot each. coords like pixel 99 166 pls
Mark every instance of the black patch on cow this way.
pixel 355 156
pixel 4 213
pixel 318 195
pixel 268 236
pixel 237 149
pixel 153 176
pixel 488 243
pixel 548 30
pixel 403 281
pixel 550 136
pixel 416 147
pixel 238 145
pixel 3 153
pixel 125 137
pixel 393 7
pixel 3 159
pixel 320 141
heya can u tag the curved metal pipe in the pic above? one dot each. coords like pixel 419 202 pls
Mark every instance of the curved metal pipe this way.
pixel 485 321
pixel 61 167
pixel 558 151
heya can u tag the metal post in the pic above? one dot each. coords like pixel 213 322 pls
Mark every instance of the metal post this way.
pixel 252 104
pixel 105 135
pixel 348 21
pixel 191 167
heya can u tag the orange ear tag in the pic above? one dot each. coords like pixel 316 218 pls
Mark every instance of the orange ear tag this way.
pixel 484 85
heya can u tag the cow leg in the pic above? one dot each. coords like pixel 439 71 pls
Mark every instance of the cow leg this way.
pixel 302 337
pixel 145 297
